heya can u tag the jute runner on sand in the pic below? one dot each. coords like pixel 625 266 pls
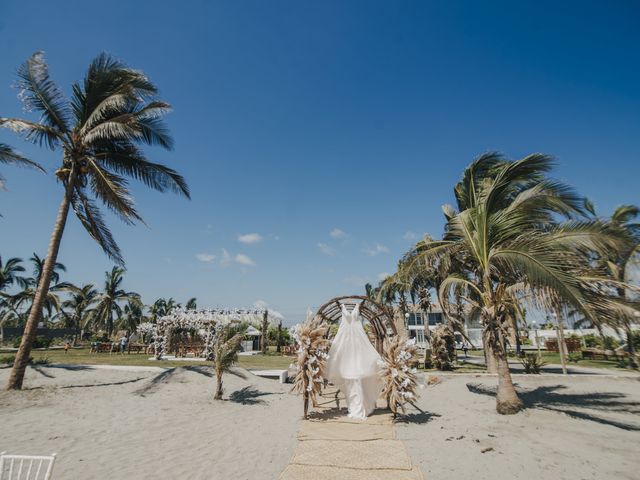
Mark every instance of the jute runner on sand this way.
pixel 332 446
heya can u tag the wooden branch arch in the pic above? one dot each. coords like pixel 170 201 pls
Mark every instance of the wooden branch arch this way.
pixel 379 316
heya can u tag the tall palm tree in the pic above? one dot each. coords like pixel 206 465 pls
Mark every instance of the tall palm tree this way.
pixel 131 315
pixel 503 245
pixel 26 297
pixel 109 301
pixel 158 309
pixel 81 304
pixel 99 131
pixel 619 264
pixel 9 273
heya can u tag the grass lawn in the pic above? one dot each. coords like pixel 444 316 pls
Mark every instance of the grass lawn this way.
pixel 551 357
pixel 84 357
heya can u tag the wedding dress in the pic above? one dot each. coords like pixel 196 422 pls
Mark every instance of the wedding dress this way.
pixel 353 365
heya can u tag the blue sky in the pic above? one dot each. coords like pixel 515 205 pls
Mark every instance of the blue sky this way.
pixel 333 130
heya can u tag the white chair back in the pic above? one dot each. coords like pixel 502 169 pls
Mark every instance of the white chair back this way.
pixel 26 467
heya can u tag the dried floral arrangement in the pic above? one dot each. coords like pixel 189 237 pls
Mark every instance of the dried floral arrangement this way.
pixel 313 348
pixel 398 373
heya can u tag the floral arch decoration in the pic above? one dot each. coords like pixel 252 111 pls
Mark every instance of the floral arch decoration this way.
pixel 398 354
pixel 206 323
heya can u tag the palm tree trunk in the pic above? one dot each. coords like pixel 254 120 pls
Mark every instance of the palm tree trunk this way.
pixel 507 401
pixel 279 338
pixel 218 395
pixel 631 349
pixel 265 329
pixel 562 346
pixel 35 314
pixel 489 354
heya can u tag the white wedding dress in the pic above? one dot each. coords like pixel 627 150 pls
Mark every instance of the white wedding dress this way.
pixel 353 365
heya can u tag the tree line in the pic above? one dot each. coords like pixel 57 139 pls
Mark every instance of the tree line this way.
pixel 87 309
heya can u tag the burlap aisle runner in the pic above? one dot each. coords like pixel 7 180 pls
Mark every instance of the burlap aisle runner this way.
pixel 332 446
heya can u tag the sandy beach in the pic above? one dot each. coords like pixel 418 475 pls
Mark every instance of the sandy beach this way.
pixel 151 424
pixel 577 427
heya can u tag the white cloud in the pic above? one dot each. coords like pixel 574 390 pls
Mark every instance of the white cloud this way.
pixel 243 259
pixel 382 276
pixel 377 249
pixel 410 236
pixel 250 238
pixel 225 260
pixel 206 257
pixel 338 234
pixel 326 249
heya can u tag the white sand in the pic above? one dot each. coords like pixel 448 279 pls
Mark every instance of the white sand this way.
pixel 589 429
pixel 147 424
pixel 141 424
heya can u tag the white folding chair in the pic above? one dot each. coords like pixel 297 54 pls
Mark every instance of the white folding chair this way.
pixel 26 467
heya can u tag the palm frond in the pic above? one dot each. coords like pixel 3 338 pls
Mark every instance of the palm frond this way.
pixel 91 219
pixel 112 190
pixel 34 132
pixel 38 92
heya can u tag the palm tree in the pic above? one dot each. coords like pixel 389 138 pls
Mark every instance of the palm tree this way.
pixel 99 131
pixel 9 156
pixel 108 302
pixel 81 303
pixel 503 245
pixel 225 354
pixel 619 264
pixel 9 273
pixel 26 297
pixel 158 309
pixel 191 304
pixel 132 315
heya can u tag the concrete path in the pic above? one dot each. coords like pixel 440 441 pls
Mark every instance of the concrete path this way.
pixel 332 446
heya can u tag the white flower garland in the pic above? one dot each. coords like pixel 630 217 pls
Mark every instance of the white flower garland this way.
pixel 209 323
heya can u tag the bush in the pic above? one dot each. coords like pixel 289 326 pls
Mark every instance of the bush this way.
pixel 574 357
pixel 604 343
pixel 59 341
pixel 7 360
pixel 100 338
pixel 532 363
pixel 592 341
pixel 610 343
pixel 39 342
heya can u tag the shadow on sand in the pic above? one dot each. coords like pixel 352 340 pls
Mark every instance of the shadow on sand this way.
pixel 249 396
pixel 550 398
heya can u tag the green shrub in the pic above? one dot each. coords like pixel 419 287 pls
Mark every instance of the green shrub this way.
pixel 532 363
pixel 605 343
pixel 100 338
pixel 610 343
pixel 7 360
pixel 40 361
pixel 592 341
pixel 39 342
pixel 574 357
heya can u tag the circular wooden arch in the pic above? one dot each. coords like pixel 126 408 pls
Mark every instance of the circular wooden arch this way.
pixel 378 315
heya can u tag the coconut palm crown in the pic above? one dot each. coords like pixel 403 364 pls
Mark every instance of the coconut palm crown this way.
pixel 504 243
pixel 100 130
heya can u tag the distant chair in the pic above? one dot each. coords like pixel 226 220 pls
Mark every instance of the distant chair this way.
pixel 26 467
